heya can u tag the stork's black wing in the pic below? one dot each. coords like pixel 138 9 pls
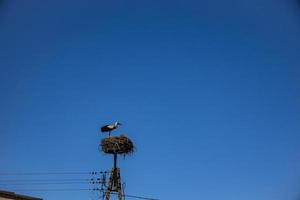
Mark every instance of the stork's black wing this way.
pixel 105 128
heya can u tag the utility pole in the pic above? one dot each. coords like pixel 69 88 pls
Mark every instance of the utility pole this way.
pixel 114 183
pixel 117 145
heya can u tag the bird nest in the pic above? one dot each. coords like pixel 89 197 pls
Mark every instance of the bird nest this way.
pixel 117 145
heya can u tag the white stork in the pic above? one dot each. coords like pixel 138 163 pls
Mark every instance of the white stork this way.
pixel 110 127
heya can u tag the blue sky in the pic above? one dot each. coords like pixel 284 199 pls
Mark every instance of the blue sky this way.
pixel 208 91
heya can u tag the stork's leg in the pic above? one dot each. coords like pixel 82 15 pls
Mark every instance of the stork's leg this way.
pixel 108 133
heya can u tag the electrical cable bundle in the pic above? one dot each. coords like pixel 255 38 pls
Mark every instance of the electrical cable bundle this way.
pixel 94 181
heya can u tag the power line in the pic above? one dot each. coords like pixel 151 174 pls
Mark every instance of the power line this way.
pixel 51 173
pixel 55 190
pixel 84 189
pixel 136 197
pixel 47 180
pixel 50 183
pixel 65 181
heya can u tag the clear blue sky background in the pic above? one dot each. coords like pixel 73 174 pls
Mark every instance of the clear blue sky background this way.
pixel 208 90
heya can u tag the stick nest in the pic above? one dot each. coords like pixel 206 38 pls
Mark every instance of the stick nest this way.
pixel 117 145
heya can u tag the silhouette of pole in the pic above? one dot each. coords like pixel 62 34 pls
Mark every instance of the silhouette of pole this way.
pixel 114 183
pixel 115 160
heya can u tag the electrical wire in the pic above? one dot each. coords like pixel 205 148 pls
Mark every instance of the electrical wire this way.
pixel 138 197
pixel 51 173
pixel 51 183
pixel 55 190
pixel 45 173
pixel 134 196
pixel 64 181
pixel 47 180
pixel 83 189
